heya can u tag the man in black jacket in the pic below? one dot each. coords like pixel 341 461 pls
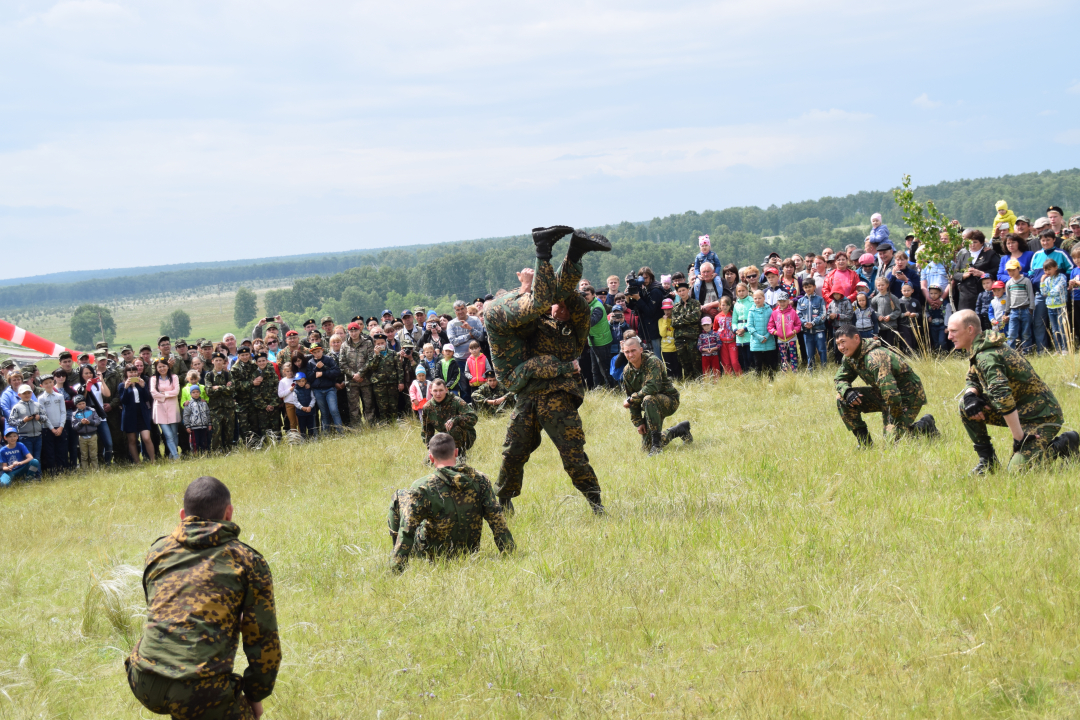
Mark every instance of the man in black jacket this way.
pixel 644 295
pixel 323 374
pixel 972 264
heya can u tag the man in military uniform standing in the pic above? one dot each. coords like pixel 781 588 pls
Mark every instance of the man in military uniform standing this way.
pixel 492 397
pixel 204 590
pixel 686 322
pixel 219 396
pixel 445 512
pixel 243 373
pixel 386 376
pixel 356 352
pixel 1003 390
pixel 447 413
pixel 651 397
pixel 893 389
pixel 264 398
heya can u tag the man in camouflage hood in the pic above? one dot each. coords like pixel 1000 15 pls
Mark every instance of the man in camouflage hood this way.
pixel 444 513
pixel 1002 389
pixel 204 589
pixel 892 389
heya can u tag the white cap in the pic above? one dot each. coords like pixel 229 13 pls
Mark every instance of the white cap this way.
pixel 448 346
pixel 25 388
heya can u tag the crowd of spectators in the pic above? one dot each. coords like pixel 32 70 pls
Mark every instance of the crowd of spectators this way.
pixel 710 319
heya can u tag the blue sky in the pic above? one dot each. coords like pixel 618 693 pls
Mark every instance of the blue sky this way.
pixel 140 133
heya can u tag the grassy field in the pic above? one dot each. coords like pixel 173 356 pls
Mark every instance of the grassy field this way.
pixel 767 570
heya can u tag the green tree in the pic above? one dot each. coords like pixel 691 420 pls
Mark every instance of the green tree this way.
pixel 176 325
pixel 91 323
pixel 245 309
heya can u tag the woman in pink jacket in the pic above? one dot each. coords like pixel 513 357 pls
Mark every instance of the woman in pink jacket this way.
pixel 784 323
pixel 842 280
pixel 165 389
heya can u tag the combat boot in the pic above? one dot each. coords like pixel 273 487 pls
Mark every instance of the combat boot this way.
pixel 681 430
pixel 863 436
pixel 545 237
pixel 988 461
pixel 1065 445
pixel 657 444
pixel 507 506
pixel 925 426
pixel 582 243
pixel 593 496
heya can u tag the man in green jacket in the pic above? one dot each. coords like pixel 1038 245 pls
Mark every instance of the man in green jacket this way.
pixel 651 397
pixel 892 389
pixel 686 323
pixel 444 513
pixel 599 351
pixel 204 589
pixel 1002 389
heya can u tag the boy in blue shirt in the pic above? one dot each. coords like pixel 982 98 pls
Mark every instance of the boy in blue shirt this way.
pixel 15 459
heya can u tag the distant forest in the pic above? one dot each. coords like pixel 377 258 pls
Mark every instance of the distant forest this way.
pixel 363 283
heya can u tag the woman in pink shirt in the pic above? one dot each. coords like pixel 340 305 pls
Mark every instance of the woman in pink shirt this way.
pixel 842 280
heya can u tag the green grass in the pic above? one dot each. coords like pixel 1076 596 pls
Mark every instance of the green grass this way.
pixel 766 570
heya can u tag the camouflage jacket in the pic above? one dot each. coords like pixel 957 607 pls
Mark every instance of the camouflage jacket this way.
pixel 242 375
pixel 686 319
pixel 218 399
pixel 204 588
pixel 355 357
pixel 1007 382
pixel 444 513
pixel 883 369
pixel 265 393
pixel 451 408
pixel 486 392
pixel 384 369
pixel 649 379
pixel 284 356
pixel 180 367
pixel 111 379
pixel 552 347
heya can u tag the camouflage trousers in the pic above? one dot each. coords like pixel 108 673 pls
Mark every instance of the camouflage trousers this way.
pixel 355 392
pixel 870 402
pixel 689 358
pixel 268 422
pixel 556 414
pixel 393 524
pixel 1044 429
pixel 220 697
pixel 511 313
pixel 386 396
pixel 224 426
pixel 651 412
pixel 247 420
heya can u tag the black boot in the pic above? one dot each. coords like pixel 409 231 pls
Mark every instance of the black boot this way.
pixel 657 444
pixel 863 436
pixel 593 496
pixel 545 237
pixel 1065 445
pixel 988 461
pixel 582 243
pixel 925 426
pixel 507 506
pixel 682 430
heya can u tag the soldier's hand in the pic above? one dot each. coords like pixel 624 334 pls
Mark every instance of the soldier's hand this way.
pixel 257 381
pixel 577 366
pixel 400 387
pixel 640 429
pixel 449 425
pixel 626 404
pixel 357 377
pixel 256 709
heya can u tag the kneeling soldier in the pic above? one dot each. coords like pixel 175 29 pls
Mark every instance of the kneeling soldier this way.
pixel 492 398
pixel 446 413
pixel 205 588
pixel 444 513
pixel 1003 390
pixel 651 397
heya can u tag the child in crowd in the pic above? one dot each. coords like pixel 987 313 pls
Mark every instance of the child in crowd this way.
pixel 428 359
pixel 886 311
pixel 305 405
pixel 997 307
pixel 667 339
pixel 1074 294
pixel 811 310
pixel 1019 301
pixel 739 311
pixel 193 377
pixel 287 394
pixel 85 422
pixel 54 436
pixel 724 326
pixel 865 322
pixel 982 303
pixel 708 346
pixel 446 370
pixel 419 392
pixel 475 365
pixel 785 325
pixel 16 459
pixel 840 310
pixel 910 311
pixel 197 421
pixel 25 416
pixel 938 312
pixel 1054 290
pixel 763 356
pixel 686 321
pixel 617 323
pixel 706 255
pixel 772 289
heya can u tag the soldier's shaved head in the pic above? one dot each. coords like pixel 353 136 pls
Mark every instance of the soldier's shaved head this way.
pixel 207 498
pixel 968 318
pixel 441 446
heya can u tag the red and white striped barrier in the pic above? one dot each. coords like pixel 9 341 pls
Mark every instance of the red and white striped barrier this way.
pixel 19 336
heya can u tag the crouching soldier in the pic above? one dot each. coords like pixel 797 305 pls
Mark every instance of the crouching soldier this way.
pixel 446 413
pixel 444 512
pixel 492 398
pixel 204 589
pixel 651 397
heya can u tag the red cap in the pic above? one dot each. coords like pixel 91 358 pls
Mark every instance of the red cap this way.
pixel 353 326
pixel 998 285
pixel 770 270
pixel 291 333
pixel 667 304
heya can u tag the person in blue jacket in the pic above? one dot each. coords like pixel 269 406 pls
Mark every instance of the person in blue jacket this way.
pixel 763 355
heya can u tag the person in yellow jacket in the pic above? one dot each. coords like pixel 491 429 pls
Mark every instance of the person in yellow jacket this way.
pixel 1004 214
pixel 667 339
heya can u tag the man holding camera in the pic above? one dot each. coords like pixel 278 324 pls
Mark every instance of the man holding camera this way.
pixel 1003 390
pixel 645 296
pixel 893 389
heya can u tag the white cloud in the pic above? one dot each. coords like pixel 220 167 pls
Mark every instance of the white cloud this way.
pixel 924 102
pixel 1075 89
pixel 1069 137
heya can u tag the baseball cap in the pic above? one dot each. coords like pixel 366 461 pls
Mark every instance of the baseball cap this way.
pixel 1041 223
pixel 448 346
pixel 25 389
pixel 1012 264
pixel 998 285
pixel 327 319
pixel 1023 219
pixel 667 304
pixel 771 271
pixel 706 320
pixel 387 312
pixel 406 313
pixel 782 295
pixel 300 376
pixel 866 259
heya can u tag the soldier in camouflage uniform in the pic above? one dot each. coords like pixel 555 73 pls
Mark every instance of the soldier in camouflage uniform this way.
pixel 243 372
pixel 264 398
pixel 492 398
pixel 204 589
pixel 651 397
pixel 444 408
pixel 686 324
pixel 386 376
pixel 219 396
pixel 356 352
pixel 1003 390
pixel 444 513
pixel 893 389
